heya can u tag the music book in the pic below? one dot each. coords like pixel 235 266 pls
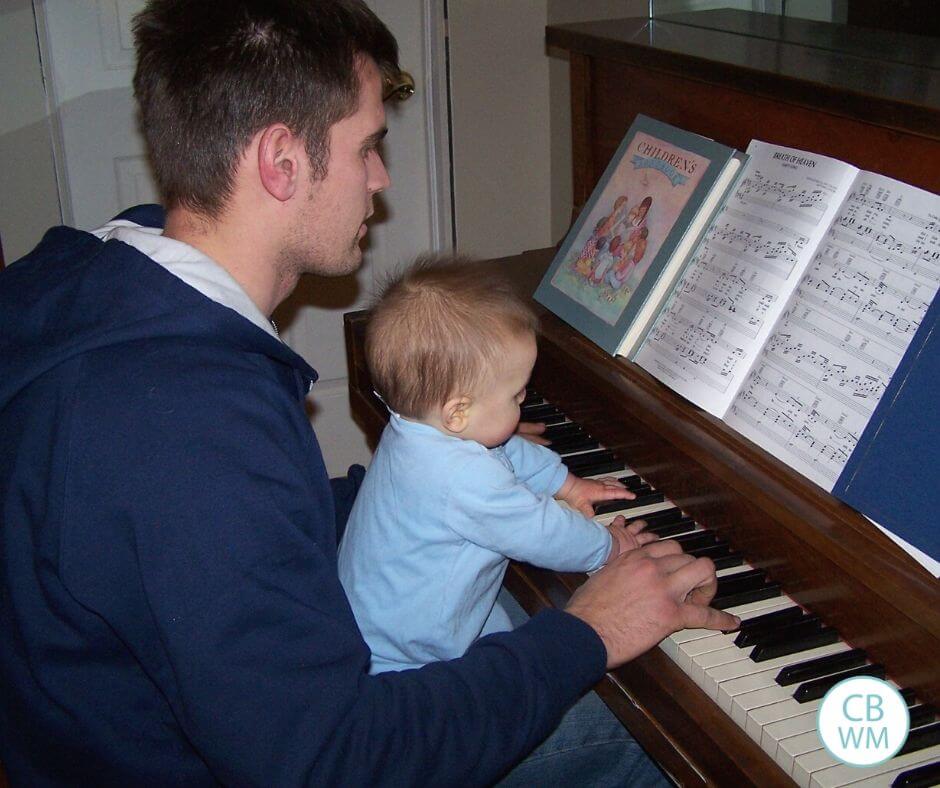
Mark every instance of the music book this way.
pixel 791 297
pixel 622 256
pixel 806 320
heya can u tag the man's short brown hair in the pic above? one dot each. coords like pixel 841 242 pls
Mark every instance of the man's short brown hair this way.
pixel 438 329
pixel 212 73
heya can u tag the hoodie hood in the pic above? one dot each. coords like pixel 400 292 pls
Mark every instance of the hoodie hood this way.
pixel 76 293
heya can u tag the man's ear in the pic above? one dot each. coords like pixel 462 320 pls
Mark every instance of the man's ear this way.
pixel 279 162
pixel 455 414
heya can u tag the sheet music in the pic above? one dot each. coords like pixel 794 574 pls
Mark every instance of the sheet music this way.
pixel 725 306
pixel 845 329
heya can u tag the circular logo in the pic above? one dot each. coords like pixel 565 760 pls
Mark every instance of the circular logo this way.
pixel 863 721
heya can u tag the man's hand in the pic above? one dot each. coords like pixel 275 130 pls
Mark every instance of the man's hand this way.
pixel 532 431
pixel 627 537
pixel 646 594
pixel 580 494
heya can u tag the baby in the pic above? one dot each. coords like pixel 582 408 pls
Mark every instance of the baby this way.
pixel 452 493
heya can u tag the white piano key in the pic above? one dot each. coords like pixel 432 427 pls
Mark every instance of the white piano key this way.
pixel 723 657
pixel 723 673
pixel 805 765
pixel 744 704
pixel 734 570
pixel 638 511
pixel 898 765
pixel 614 474
pixel 747 610
pixel 686 652
pixel 728 690
pixel 764 715
pixel 744 612
pixel 793 747
pixel 774 732
pixel 880 775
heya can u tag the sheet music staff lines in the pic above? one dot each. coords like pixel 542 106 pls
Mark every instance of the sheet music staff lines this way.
pixel 757 248
pixel 844 333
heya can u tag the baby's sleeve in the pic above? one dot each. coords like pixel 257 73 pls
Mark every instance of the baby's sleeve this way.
pixel 493 510
pixel 540 469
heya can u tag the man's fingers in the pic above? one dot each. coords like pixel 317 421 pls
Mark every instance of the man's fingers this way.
pixel 666 547
pixel 698 574
pixel 636 526
pixel 702 617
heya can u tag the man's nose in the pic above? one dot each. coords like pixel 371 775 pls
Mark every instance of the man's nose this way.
pixel 378 177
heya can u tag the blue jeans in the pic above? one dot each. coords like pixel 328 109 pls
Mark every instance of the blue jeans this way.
pixel 590 748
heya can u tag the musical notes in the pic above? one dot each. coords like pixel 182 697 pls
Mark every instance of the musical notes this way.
pixel 797 308
pixel 846 328
pixel 737 282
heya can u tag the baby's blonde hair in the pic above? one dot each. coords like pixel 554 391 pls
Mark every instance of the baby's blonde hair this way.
pixel 438 328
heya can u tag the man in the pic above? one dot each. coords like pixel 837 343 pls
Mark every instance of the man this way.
pixel 169 602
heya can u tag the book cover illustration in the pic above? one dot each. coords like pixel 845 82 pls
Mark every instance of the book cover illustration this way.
pixel 624 231
pixel 633 235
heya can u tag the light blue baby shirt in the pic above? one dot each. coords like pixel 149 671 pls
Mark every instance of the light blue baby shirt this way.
pixel 431 533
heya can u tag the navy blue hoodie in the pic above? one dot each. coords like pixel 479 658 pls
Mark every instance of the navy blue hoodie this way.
pixel 169 602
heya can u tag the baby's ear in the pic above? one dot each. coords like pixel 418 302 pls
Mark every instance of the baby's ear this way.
pixel 455 414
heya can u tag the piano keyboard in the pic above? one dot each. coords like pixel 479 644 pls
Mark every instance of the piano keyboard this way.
pixel 771 674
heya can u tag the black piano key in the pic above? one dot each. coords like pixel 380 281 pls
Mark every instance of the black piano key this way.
pixel 727 561
pixel 821 666
pixel 537 412
pixel 662 517
pixel 742 581
pixel 632 482
pixel 610 466
pixel 644 499
pixel 606 507
pixel 574 443
pixel 593 462
pixel 666 529
pixel 807 624
pixel 589 458
pixel 563 430
pixel 822 636
pixel 922 714
pixel 719 550
pixel 532 397
pixel 551 420
pixel 925 776
pixel 697 539
pixel 921 738
pixel 752 628
pixel 815 689
pixel 768 591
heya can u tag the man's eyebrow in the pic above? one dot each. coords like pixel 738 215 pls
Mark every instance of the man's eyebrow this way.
pixel 374 139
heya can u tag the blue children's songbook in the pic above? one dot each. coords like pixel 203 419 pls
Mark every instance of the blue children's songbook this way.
pixel 637 232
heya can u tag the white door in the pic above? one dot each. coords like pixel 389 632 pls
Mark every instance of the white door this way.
pixel 88 63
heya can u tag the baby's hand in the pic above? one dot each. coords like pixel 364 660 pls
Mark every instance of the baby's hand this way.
pixel 532 431
pixel 628 537
pixel 580 494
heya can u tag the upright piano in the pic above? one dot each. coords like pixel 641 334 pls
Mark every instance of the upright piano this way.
pixel 867 98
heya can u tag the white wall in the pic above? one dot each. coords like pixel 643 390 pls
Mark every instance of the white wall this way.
pixel 512 116
pixel 501 129
pixel 29 202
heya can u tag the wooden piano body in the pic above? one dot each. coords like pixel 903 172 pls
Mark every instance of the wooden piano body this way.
pixel 825 555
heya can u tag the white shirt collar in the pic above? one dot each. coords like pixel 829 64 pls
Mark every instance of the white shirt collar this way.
pixel 187 263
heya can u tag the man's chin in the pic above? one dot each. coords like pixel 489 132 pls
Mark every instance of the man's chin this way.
pixel 344 267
